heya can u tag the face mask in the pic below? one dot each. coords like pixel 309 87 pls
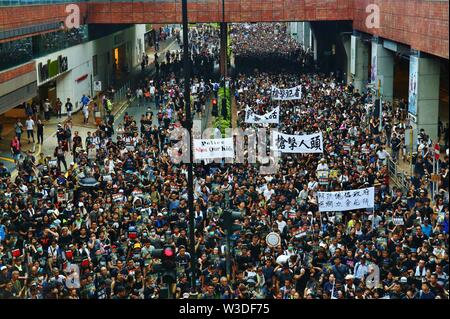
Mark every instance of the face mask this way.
pixel 211 233
pixel 39 250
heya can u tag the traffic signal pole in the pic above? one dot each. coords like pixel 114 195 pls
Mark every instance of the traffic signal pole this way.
pixel 190 184
pixel 228 255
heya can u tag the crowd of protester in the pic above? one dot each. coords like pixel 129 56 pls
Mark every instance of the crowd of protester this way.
pixel 260 44
pixel 203 49
pixel 122 196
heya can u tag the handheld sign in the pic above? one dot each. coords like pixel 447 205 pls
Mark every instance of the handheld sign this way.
pixel 273 240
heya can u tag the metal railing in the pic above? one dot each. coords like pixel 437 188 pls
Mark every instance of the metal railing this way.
pixel 400 178
pixel 121 93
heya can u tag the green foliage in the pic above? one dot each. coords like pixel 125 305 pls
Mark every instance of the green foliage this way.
pixel 220 122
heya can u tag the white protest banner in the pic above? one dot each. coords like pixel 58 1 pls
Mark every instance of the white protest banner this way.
pixel 346 200
pixel 270 117
pixel 294 93
pixel 310 143
pixel 213 148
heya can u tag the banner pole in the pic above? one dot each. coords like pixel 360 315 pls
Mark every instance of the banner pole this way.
pixel 373 217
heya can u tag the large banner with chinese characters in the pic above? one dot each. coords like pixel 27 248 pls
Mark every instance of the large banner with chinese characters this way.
pixel 268 118
pixel 294 93
pixel 213 148
pixel 285 143
pixel 346 200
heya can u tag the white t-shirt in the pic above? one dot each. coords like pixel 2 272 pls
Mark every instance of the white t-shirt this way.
pixel 281 225
pixel 382 155
pixel 268 193
pixel 29 124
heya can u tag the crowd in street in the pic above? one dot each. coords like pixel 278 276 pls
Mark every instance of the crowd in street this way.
pixel 88 231
pixel 260 44
pixel 203 49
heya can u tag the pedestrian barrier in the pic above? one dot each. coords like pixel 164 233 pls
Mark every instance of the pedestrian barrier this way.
pixel 121 93
pixel 398 176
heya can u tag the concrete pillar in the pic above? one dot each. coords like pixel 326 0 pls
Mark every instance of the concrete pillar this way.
pixel 346 43
pixel 383 64
pixel 301 32
pixel 315 47
pixel 306 35
pixel 360 51
pixel 424 77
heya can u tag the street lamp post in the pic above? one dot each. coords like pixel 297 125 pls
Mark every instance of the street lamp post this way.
pixel 187 98
pixel 223 43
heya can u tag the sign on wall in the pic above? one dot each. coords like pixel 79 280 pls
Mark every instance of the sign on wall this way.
pixel 97 86
pixel 413 84
pixel 353 54
pixel 52 68
pixel 373 65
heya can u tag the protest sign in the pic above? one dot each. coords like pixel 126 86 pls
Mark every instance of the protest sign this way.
pixel 346 200
pixel 294 93
pixel 213 148
pixel 270 117
pixel 310 143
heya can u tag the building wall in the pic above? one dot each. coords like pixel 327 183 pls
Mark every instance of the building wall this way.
pixel 423 24
pixel 80 63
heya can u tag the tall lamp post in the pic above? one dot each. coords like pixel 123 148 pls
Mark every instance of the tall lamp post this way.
pixel 190 184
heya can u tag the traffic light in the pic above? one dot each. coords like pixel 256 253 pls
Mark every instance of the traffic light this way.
pixel 168 265
pixel 228 220
pixel 215 110
pixel 168 257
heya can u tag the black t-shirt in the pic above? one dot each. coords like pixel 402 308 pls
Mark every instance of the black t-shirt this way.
pixel 64 241
pixel 418 240
pixel 255 251
pixel 282 276
pixel 300 284
pixel 183 261
pixel 183 286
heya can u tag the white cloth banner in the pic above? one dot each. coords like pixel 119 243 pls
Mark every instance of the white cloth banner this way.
pixel 294 93
pixel 285 143
pixel 346 200
pixel 272 117
pixel 213 148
